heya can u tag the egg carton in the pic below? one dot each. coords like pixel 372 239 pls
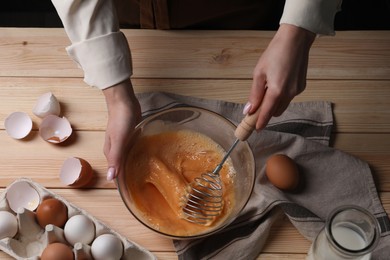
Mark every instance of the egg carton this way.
pixel 31 239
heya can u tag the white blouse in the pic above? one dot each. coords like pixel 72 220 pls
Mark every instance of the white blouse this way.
pixel 101 50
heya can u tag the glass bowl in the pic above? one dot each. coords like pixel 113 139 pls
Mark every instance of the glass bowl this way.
pixel 212 125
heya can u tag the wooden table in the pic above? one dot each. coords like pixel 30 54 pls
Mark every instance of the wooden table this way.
pixel 352 70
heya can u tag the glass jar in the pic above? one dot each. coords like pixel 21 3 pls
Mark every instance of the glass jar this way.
pixel 351 232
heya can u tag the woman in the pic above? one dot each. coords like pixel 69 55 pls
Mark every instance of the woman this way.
pixel 102 51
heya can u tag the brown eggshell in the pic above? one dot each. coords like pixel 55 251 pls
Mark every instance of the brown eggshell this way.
pixel 76 172
pixel 282 172
pixel 57 251
pixel 52 211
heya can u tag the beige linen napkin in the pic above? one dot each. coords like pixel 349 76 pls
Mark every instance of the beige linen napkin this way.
pixel 331 178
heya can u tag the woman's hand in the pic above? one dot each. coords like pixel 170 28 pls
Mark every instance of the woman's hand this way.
pixel 280 73
pixel 124 113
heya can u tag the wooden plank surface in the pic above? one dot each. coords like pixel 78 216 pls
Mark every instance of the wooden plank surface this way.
pixel 280 240
pixel 355 101
pixel 172 256
pixel 21 159
pixel 351 70
pixel 198 54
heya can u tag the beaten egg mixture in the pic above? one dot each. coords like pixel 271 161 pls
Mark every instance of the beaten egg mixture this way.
pixel 161 166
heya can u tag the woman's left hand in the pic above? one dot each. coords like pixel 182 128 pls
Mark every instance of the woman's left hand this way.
pixel 124 113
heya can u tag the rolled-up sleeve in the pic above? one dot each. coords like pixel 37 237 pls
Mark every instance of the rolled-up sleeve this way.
pixel 98 46
pixel 316 16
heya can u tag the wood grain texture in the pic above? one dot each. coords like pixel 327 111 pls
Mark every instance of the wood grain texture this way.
pixel 351 70
pixel 111 211
pixel 42 161
pixel 173 256
pixel 354 102
pixel 275 256
pixel 198 54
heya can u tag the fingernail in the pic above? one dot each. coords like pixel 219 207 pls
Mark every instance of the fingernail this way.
pixel 247 107
pixel 111 174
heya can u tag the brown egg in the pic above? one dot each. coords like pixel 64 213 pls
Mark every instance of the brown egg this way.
pixel 52 211
pixel 282 172
pixel 57 251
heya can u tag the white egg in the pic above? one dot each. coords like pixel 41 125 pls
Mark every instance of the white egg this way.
pixel 55 129
pixel 79 228
pixel 8 224
pixel 107 247
pixel 47 104
pixel 18 125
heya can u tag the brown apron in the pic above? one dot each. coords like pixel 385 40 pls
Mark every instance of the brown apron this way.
pixel 199 14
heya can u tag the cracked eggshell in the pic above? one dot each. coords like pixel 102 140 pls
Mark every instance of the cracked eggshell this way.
pixel 31 240
pixel 76 172
pixel 8 225
pixel 22 195
pixel 18 125
pixel 47 104
pixel 55 129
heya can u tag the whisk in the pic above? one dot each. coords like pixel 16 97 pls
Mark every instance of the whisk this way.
pixel 204 199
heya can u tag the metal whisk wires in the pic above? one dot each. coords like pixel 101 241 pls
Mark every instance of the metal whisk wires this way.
pixel 204 200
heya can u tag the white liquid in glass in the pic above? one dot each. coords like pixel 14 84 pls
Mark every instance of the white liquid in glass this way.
pixel 349 238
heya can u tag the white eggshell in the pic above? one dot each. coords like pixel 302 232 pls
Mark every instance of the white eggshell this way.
pixel 55 129
pixel 79 228
pixel 22 195
pixel 18 125
pixel 8 225
pixel 107 247
pixel 76 172
pixel 47 104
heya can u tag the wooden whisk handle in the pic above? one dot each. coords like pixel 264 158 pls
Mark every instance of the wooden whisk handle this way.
pixel 247 125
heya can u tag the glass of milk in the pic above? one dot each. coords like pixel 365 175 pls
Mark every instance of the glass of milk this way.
pixel 351 232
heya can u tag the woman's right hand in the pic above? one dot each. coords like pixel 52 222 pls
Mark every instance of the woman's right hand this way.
pixel 280 73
